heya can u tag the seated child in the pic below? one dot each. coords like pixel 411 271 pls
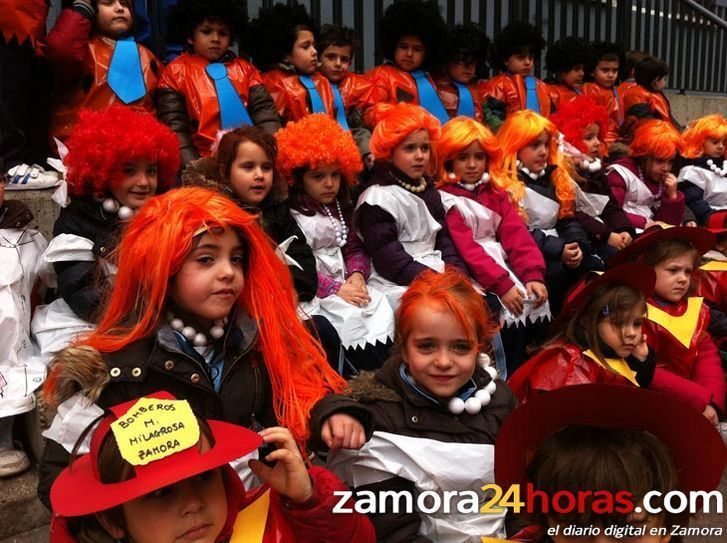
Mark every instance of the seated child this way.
pixel 399 214
pixel 609 444
pixel 190 492
pixel 703 178
pixel 516 88
pixel 598 337
pixel 320 161
pixel 646 100
pixel 711 280
pixel 631 59
pixel 411 33
pixel 97 63
pixel 677 322
pixel 21 369
pixel 209 88
pixel 604 62
pixel 565 61
pixel 437 410
pixel 489 234
pixel 643 183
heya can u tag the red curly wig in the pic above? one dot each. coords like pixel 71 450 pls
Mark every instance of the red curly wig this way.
pixel 153 250
pixel 654 138
pixel 458 134
pixel 711 126
pixel 573 117
pixel 102 141
pixel 518 130
pixel 314 141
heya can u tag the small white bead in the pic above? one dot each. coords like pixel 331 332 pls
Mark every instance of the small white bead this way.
pixel 485 178
pixel 483 359
pixel 217 331
pixel 452 176
pixel 483 396
pixel 200 340
pixel 491 387
pixel 125 213
pixel 473 406
pixel 109 205
pixel 456 406
pixel 176 324
pixel 710 162
pixel 189 332
pixel 492 371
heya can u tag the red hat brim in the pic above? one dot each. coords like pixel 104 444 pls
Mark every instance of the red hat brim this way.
pixel 717 222
pixel 702 239
pixel 694 443
pixel 78 491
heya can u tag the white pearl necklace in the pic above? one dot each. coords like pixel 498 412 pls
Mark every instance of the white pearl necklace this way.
pixel 421 187
pixel 198 339
pixel 532 175
pixel 339 226
pixel 591 166
pixel 479 399
pixel 722 172
pixel 472 186
pixel 110 205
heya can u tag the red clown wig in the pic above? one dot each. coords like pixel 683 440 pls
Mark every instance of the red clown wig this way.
pixel 519 130
pixel 654 138
pixel 102 141
pixel 315 141
pixel 153 250
pixel 711 126
pixel 573 117
pixel 457 135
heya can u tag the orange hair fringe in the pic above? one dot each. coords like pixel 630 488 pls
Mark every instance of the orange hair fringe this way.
pixel 458 134
pixel 711 126
pixel 654 138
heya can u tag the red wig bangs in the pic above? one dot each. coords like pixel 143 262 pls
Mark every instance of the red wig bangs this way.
pixel 573 117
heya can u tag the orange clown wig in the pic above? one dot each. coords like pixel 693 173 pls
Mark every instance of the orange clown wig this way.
pixel 519 130
pixel 573 117
pixel 711 126
pixel 315 141
pixel 656 139
pixel 103 141
pixel 457 135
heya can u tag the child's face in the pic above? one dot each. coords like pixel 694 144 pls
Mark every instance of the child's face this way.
pixel 574 76
pixel 521 63
pixel 322 184
pixel 673 277
pixel 411 156
pixel 138 183
pixel 251 173
pixel 622 337
pixel 657 168
pixel 591 141
pixel 714 147
pixel 409 53
pixel 470 163
pixel 461 71
pixel 210 40
pixel 113 17
pixel 438 352
pixel 303 55
pixel 335 62
pixel 534 156
pixel 659 84
pixel 210 279
pixel 606 73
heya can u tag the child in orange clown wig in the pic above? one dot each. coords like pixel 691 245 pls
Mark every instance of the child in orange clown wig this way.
pixel 203 308
pixel 320 160
pixel 533 171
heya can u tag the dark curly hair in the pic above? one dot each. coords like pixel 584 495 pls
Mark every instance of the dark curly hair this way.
pixel 339 36
pixel 599 51
pixel 517 37
pixel 566 54
pixel 188 14
pixel 467 43
pixel 420 18
pixel 272 34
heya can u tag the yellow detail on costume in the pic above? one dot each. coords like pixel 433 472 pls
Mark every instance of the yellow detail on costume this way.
pixel 619 365
pixel 250 522
pixel 714 265
pixel 681 327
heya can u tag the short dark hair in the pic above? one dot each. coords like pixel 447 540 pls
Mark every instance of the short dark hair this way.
pixel 648 70
pixel 467 43
pixel 517 37
pixel 336 35
pixel 187 15
pixel 419 18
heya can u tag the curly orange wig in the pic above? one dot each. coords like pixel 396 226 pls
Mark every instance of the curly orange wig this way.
pixel 518 130
pixel 102 141
pixel 457 134
pixel 573 117
pixel 711 126
pixel 153 250
pixel 657 139
pixel 314 141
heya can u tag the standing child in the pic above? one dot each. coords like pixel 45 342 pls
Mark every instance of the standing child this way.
pixel 646 100
pixel 437 410
pixel 489 234
pixel 209 88
pixel 97 63
pixel 602 70
pixel 566 61
pixel 703 179
pixel 319 160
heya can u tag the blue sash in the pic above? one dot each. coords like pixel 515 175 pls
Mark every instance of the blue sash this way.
pixel 340 107
pixel 316 103
pixel 125 77
pixel 428 97
pixel 466 104
pixel 232 110
pixel 531 97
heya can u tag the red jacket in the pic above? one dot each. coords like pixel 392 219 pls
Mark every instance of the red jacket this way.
pixel 506 93
pixel 314 522
pixel 391 85
pixel 523 254
pixel 641 103
pixel 625 86
pixel 449 95
pixel 354 88
pixel 291 97
pixel 562 94
pixel 81 64
pixel 614 106
pixel 23 19
pixel 690 364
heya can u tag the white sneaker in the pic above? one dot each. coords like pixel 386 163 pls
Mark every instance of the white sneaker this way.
pixel 13 461
pixel 34 177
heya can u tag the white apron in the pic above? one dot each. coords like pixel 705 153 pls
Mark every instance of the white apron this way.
pixel 590 203
pixel 432 466
pixel 638 200
pixel 356 326
pixel 713 185
pixel 542 212
pixel 484 224
pixel 417 231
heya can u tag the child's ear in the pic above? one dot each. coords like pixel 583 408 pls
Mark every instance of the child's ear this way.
pixel 111 527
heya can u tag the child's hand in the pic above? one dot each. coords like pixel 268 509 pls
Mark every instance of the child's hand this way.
pixel 711 415
pixel 341 431
pixel 571 255
pixel 626 237
pixel 357 279
pixel 616 241
pixel 670 186
pixel 354 294
pixel 691 224
pixel 513 300
pixel 641 352
pixel 538 290
pixel 289 476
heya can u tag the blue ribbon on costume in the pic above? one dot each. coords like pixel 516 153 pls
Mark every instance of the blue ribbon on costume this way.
pixel 428 97
pixel 316 103
pixel 531 94
pixel 125 76
pixel 618 106
pixel 232 109
pixel 340 108
pixel 466 104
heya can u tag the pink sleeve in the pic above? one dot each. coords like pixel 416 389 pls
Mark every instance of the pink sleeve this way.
pixel 618 189
pixel 679 387
pixel 671 211
pixel 523 253
pixel 708 371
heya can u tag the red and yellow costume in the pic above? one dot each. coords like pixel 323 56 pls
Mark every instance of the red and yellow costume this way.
pixel 506 93
pixel 291 97
pixel 23 19
pixel 391 85
pixel 561 94
pixel 642 103
pixel 449 95
pixel 615 107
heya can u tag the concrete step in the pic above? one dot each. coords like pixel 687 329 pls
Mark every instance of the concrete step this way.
pixel 39 535
pixel 20 509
